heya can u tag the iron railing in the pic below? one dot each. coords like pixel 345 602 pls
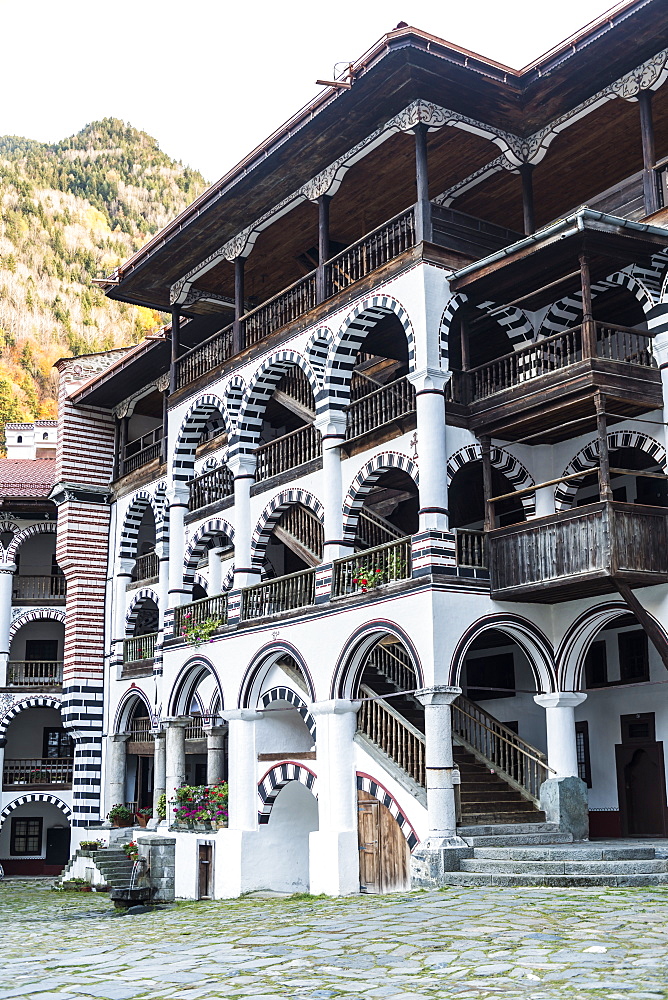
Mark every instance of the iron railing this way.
pixel 471 548
pixel 38 771
pixel 288 452
pixel 285 593
pixel 34 673
pixel 142 450
pixel 141 730
pixel 382 406
pixel 393 734
pixel 139 647
pixel 383 564
pixel 38 588
pixel 146 567
pixel 211 487
pixel 371 252
pixel 187 615
pixel 518 762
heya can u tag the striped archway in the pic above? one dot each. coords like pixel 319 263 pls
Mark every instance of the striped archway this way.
pixel 287 694
pixel 587 459
pixel 34 701
pixel 271 514
pixel 139 600
pixel 364 482
pixel 35 615
pixel 29 797
pixel 532 641
pixel 317 349
pixel 510 467
pixel 133 518
pixel 126 708
pixel 42 528
pixel 216 528
pixel 512 320
pixel 200 412
pixel 567 312
pixel 365 783
pixel 277 778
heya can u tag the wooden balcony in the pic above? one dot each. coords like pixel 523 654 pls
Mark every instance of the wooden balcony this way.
pixel 538 390
pixel 198 612
pixel 142 450
pixel 391 405
pixel 579 553
pixel 373 568
pixel 38 675
pixel 139 648
pixel 37 772
pixel 285 593
pixel 145 569
pixel 51 589
pixel 211 488
pixel 288 452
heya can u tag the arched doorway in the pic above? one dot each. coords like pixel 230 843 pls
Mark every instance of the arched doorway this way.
pixel 140 756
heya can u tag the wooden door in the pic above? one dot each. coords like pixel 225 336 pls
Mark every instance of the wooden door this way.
pixel 641 782
pixel 204 871
pixel 383 851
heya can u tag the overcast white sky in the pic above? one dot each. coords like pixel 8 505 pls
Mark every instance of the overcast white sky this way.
pixel 212 78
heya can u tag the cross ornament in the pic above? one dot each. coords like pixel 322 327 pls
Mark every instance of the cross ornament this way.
pixel 414 443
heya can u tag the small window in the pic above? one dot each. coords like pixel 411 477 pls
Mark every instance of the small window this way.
pixel 19 439
pixel 582 750
pixel 596 665
pixel 638 728
pixel 26 836
pixel 45 436
pixel 58 744
pixel 489 677
pixel 633 656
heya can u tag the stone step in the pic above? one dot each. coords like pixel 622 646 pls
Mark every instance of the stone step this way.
pixel 488 803
pixel 501 829
pixel 576 852
pixel 489 878
pixel 516 840
pixel 493 792
pixel 481 866
pixel 502 817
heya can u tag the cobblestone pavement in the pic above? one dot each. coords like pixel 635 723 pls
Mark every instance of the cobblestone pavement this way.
pixel 537 944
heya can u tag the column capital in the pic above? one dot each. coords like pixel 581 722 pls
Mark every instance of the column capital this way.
pixel 441 694
pixel 560 699
pixel 8 568
pixel 119 737
pixel 159 734
pixel 178 495
pixel 176 721
pixel 241 715
pixel 429 379
pixel 242 466
pixel 331 424
pixel 125 567
pixel 215 730
pixel 336 706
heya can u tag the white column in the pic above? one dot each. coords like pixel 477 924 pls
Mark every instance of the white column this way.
pixel 658 323
pixel 215 755
pixel 6 581
pixel 432 449
pixel 175 756
pixel 123 578
pixel 560 722
pixel 333 849
pixel 242 755
pixel 162 551
pixel 116 769
pixel 242 468
pixel 441 807
pixel 215 572
pixel 178 507
pixel 332 428
pixel 159 773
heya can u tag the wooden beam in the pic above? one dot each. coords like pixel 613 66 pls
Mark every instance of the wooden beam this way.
pixel 323 247
pixel 526 173
pixel 238 338
pixel 176 346
pixel 648 152
pixel 292 404
pixel 486 448
pixel 603 455
pixel 423 207
pixel 588 326
pixel 165 418
pixel 294 544
pixel 654 633
pixel 464 340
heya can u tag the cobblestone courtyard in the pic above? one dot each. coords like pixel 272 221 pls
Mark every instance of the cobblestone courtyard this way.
pixel 478 943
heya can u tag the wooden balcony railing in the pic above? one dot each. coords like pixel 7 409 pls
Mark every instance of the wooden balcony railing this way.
pixel 380 407
pixel 195 728
pixel 288 452
pixel 471 549
pixel 285 593
pixel 393 734
pixel 296 385
pixel 146 567
pixel 200 611
pixel 205 357
pixel 393 664
pixel 371 252
pixel 141 730
pixel 142 450
pixel 211 487
pixel 284 308
pixel 304 526
pixel 518 762
pixel 373 530
pixel 38 771
pixel 34 673
pixel 384 564
pixel 139 647
pixel 39 588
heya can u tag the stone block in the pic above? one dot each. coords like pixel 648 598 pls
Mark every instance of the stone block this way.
pixel 564 801
pixel 429 865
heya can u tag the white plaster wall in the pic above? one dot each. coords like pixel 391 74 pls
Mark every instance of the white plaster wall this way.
pixel 51 816
pixel 26 730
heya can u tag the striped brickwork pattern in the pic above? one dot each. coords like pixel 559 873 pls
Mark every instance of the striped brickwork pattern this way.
pixel 271 515
pixel 515 322
pixel 513 470
pixel 218 531
pixel 363 484
pixel 35 615
pixel 287 694
pixel 206 409
pixel 34 701
pixel 317 350
pixel 587 459
pixel 276 779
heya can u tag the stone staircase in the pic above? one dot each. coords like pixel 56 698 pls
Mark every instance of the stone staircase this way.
pixel 112 863
pixel 554 862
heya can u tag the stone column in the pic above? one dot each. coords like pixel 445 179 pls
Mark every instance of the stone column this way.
pixel 242 468
pixel 242 756
pixel 159 771
pixel 178 507
pixel 7 571
pixel 432 450
pixel 116 767
pixel 123 578
pixel 215 755
pixel 563 796
pixel 334 856
pixel 439 760
pixel 215 572
pixel 332 427
pixel 175 756
pixel 162 551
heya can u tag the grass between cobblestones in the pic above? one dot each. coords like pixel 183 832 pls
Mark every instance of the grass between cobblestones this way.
pixel 477 943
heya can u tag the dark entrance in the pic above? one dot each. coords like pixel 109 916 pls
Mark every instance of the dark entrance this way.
pixel 383 851
pixel 205 871
pixel 641 780
pixel 57 846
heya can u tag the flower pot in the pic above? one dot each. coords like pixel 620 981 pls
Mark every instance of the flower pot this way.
pixel 142 820
pixel 121 822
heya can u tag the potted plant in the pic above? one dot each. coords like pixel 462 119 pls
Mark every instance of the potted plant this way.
pixel 143 816
pixel 197 633
pixel 131 850
pixel 120 815
pixel 162 806
pixel 91 845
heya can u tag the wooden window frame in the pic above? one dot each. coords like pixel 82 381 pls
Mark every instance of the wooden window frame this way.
pixel 16 820
pixel 584 772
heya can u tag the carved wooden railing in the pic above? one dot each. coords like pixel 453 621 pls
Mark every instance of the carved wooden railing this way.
pixel 285 593
pixel 393 734
pixel 305 526
pixel 383 564
pixel 142 450
pixel 284 308
pixel 146 567
pixel 296 385
pixel 374 530
pixel 471 548
pixel 288 452
pixel 39 588
pixel 34 673
pixel 516 761
pixel 394 665
pixel 141 731
pixel 139 647
pixel 382 406
pixel 200 611
pixel 205 357
pixel 371 252
pixel 623 343
pixel 38 771
pixel 210 487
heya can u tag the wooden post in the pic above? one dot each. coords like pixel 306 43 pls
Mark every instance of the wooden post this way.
pixel 122 443
pixel 648 154
pixel 165 417
pixel 238 338
pixel 605 491
pixel 464 340
pixel 654 631
pixel 526 173
pixel 588 325
pixel 323 247
pixel 117 450
pixel 487 489
pixel 176 345
pixel 423 207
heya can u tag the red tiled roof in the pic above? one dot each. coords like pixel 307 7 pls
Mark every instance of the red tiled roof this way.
pixel 27 477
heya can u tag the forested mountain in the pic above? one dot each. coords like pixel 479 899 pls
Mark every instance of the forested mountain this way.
pixel 70 212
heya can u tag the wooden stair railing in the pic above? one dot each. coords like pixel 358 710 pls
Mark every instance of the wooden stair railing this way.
pixel 373 530
pixel 303 533
pixel 519 763
pixel 391 733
